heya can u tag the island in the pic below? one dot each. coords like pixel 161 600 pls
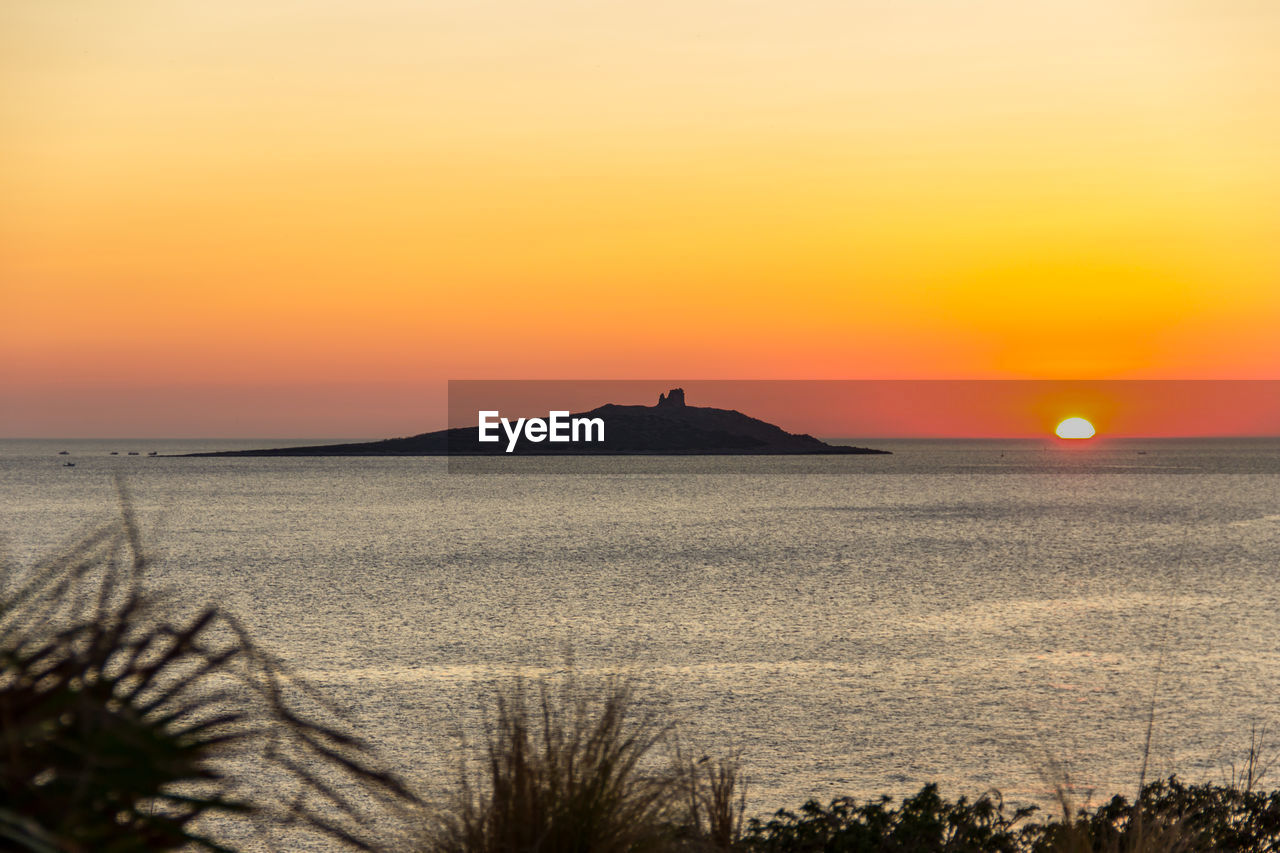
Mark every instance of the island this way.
pixel 670 427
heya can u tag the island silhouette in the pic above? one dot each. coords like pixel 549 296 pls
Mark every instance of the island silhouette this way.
pixel 668 427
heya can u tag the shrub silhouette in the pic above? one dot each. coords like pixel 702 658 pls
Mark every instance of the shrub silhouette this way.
pixel 1170 815
pixel 924 822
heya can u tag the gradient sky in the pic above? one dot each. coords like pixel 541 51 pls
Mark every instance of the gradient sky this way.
pixel 301 218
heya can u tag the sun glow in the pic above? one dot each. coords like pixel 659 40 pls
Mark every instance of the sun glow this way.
pixel 1075 428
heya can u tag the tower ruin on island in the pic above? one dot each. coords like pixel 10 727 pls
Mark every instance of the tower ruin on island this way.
pixel 674 398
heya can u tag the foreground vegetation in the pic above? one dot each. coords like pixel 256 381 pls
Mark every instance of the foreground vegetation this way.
pixel 121 725
pixel 572 776
pixel 125 729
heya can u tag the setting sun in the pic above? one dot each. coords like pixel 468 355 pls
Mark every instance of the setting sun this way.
pixel 1075 428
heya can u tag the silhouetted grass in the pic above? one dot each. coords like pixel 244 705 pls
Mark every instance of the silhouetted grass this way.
pixel 568 773
pixel 716 799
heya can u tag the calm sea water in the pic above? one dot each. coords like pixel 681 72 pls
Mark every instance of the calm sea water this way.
pixel 960 612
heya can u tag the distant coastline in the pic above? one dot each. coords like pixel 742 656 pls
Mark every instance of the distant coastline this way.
pixel 670 427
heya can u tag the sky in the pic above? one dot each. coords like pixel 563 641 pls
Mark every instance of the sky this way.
pixel 301 218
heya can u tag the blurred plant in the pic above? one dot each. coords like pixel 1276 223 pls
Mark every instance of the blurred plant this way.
pixel 1257 761
pixel 123 729
pixel 716 799
pixel 567 773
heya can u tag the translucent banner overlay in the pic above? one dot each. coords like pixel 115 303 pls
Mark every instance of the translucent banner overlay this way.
pixel 831 418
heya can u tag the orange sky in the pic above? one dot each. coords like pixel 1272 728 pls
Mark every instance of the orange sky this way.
pixel 301 218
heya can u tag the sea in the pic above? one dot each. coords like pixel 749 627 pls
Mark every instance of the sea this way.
pixel 1015 615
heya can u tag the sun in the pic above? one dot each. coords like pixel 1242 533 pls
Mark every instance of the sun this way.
pixel 1075 428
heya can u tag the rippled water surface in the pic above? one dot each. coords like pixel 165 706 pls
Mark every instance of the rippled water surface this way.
pixel 959 612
